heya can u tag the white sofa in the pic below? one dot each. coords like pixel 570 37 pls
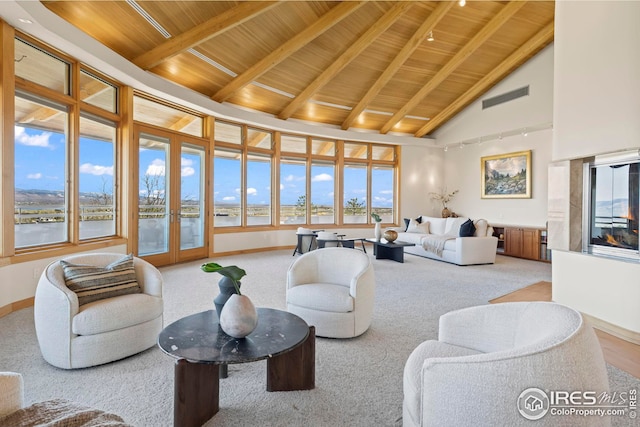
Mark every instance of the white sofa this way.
pixel 444 234
pixel 488 357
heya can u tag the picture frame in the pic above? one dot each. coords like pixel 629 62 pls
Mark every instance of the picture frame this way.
pixel 506 176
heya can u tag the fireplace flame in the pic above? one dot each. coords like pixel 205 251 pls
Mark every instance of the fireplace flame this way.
pixel 612 240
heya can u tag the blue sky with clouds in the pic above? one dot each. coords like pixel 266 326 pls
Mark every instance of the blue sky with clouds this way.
pixel 40 164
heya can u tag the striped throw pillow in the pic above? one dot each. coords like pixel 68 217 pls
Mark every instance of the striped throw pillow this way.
pixel 92 283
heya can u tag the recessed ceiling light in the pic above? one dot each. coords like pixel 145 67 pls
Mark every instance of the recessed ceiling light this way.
pixel 25 21
pixel 462 3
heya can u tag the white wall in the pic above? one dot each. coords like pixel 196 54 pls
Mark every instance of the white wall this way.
pixel 597 84
pixel 422 173
pixel 462 166
pixel 597 110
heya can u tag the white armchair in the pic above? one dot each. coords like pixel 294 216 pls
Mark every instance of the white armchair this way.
pixel 332 289
pixel 77 336
pixel 486 356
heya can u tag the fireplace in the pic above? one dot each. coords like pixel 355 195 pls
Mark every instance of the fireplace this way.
pixel 612 206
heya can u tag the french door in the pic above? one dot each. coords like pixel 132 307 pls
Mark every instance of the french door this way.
pixel 171 218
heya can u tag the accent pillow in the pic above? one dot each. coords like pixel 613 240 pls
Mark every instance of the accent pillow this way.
pixel 482 227
pixel 407 220
pixel 93 283
pixel 416 227
pixel 467 229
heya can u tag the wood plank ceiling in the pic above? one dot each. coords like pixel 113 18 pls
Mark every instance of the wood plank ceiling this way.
pixel 383 66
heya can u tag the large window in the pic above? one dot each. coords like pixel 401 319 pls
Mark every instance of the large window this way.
pixel 355 194
pixel 293 191
pixel 227 182
pixel 58 171
pixel 258 190
pixel 96 178
pixel 382 192
pixel 322 193
pixel 40 173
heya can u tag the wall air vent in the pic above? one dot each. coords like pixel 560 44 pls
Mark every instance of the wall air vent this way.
pixel 505 97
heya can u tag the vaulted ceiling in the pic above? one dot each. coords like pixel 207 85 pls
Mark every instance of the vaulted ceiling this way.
pixel 381 66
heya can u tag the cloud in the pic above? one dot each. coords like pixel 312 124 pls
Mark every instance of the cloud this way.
pixel 39 140
pixel 382 199
pixel 322 177
pixel 282 186
pixel 228 198
pixel 386 192
pixel 291 177
pixel 185 167
pixel 96 169
pixel 34 175
pixel 252 191
pixel 156 168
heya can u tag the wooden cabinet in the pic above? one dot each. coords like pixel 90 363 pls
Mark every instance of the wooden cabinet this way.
pixel 520 242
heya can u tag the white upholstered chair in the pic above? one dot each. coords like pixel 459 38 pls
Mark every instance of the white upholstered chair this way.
pixel 72 336
pixel 306 240
pixel 332 289
pixel 486 356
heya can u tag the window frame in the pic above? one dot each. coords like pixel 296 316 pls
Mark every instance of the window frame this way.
pixel 75 108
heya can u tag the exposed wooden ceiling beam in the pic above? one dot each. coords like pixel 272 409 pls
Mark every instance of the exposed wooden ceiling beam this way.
pixel 326 21
pixel 349 55
pixel 482 36
pixel 535 43
pixel 387 154
pixel 256 139
pixel 325 148
pixel 358 152
pixel 201 33
pixel 182 122
pixel 421 33
pixel 41 114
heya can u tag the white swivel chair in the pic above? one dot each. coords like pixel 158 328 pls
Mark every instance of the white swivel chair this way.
pixel 327 239
pixel 487 356
pixel 306 240
pixel 332 289
pixel 77 336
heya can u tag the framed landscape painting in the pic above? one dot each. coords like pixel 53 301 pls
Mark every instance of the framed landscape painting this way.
pixel 506 176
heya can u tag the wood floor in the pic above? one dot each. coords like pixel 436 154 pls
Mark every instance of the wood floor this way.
pixel 617 352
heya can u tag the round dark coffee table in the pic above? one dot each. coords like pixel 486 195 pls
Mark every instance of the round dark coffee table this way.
pixel 201 347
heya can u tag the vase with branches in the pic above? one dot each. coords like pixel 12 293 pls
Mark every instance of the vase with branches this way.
pixel 444 197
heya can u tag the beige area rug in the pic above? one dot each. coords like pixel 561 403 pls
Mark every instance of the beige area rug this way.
pixel 358 381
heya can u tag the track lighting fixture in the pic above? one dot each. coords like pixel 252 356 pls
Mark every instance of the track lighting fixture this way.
pixel 430 38
pixel 446 148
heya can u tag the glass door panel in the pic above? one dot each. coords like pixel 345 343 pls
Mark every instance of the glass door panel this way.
pixel 154 214
pixel 192 209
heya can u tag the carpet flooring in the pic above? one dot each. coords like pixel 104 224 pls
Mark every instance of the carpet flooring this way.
pixel 358 381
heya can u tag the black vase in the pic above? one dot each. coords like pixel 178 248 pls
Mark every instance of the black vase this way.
pixel 226 290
